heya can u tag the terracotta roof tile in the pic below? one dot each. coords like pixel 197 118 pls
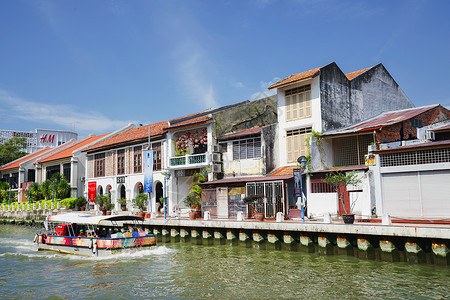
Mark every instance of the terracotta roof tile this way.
pixel 311 74
pixel 16 163
pixel 286 170
pixel 131 135
pixel 295 77
pixel 352 75
pixel 193 121
pixel 66 153
pixel 244 132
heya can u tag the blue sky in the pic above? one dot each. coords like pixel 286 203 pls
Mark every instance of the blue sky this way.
pixel 95 66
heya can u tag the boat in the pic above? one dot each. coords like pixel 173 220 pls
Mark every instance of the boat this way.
pixel 93 235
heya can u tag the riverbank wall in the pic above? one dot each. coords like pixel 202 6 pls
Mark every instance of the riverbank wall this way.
pixel 409 242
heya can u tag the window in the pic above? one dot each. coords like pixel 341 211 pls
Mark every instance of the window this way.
pixel 52 170
pixel 137 159
pixel 247 148
pixel 223 147
pixel 295 143
pixel 156 156
pixel 66 171
pixel 350 151
pixel 298 103
pixel 99 165
pixel 121 162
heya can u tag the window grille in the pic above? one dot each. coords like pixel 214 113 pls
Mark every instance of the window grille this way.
pixel 419 157
pixel 321 187
pixel 99 165
pixel 298 103
pixel 137 158
pixel 121 162
pixel 247 148
pixel 295 143
pixel 350 151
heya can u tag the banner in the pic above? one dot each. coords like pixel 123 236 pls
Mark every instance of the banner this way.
pixel 297 182
pixel 92 191
pixel 148 171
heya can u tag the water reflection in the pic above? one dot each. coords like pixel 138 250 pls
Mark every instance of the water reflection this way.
pixel 183 271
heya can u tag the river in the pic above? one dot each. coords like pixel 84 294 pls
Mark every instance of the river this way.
pixel 185 271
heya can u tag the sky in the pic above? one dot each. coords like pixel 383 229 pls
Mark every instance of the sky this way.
pixel 96 66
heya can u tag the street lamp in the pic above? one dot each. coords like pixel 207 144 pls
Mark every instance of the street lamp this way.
pixel 302 161
pixel 167 177
pixel 53 193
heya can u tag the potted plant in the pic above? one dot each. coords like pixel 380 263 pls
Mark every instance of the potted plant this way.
pixel 254 200
pixel 340 180
pixel 108 205
pixel 80 202
pixel 193 201
pixel 140 201
pixel 100 200
pixel 123 204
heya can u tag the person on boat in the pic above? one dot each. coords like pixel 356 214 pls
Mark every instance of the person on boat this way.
pixel 82 233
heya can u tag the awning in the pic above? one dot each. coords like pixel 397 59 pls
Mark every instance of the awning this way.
pixel 90 219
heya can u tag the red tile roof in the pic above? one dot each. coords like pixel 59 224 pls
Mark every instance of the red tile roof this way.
pixel 383 120
pixel 425 145
pixel 310 74
pixel 131 135
pixel 66 153
pixel 295 77
pixel 244 132
pixel 287 170
pixel 193 121
pixel 352 75
pixel 16 163
pixel 248 179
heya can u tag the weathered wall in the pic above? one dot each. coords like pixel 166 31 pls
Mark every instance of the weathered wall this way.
pixel 404 131
pixel 335 98
pixel 257 113
pixel 378 92
pixel 271 155
pixel 345 102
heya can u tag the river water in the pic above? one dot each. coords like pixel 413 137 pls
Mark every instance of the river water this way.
pixel 185 271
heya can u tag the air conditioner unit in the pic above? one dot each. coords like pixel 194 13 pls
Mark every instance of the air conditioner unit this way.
pixel 430 135
pixel 216 157
pixel 217 168
pixel 216 148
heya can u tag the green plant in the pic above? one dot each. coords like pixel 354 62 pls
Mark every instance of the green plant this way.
pixel 122 201
pixel 107 204
pixel 80 201
pixel 318 141
pixel 100 200
pixel 193 199
pixel 141 201
pixel 340 180
pixel 69 202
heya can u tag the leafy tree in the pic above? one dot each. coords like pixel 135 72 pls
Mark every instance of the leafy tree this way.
pixel 10 150
pixel 62 189
pixel 46 189
pixel 340 180
pixel 35 191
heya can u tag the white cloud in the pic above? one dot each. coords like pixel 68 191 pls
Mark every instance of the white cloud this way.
pixel 264 92
pixel 238 84
pixel 60 115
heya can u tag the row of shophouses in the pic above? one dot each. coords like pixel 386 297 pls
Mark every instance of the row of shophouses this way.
pixel 360 121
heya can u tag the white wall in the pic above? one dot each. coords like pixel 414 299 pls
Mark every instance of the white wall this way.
pixel 315 121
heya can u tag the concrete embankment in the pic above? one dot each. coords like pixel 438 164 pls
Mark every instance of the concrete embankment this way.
pixel 413 243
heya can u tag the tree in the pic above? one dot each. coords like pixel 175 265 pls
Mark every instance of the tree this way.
pixel 339 180
pixel 46 189
pixel 10 150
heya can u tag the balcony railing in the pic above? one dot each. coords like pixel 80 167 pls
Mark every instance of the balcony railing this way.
pixel 188 160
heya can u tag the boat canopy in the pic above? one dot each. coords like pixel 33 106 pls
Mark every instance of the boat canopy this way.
pixel 90 219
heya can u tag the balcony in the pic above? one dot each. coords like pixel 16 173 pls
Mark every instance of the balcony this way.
pixel 190 161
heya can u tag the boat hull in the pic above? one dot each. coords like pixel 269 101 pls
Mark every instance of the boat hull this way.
pixel 90 246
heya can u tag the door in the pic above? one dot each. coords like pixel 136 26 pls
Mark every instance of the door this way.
pixel 222 203
pixel 346 201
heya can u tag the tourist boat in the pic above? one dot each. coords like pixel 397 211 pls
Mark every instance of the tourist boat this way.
pixel 93 235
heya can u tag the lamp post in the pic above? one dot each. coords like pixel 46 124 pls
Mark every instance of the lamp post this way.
pixel 302 161
pixel 53 193
pixel 167 177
